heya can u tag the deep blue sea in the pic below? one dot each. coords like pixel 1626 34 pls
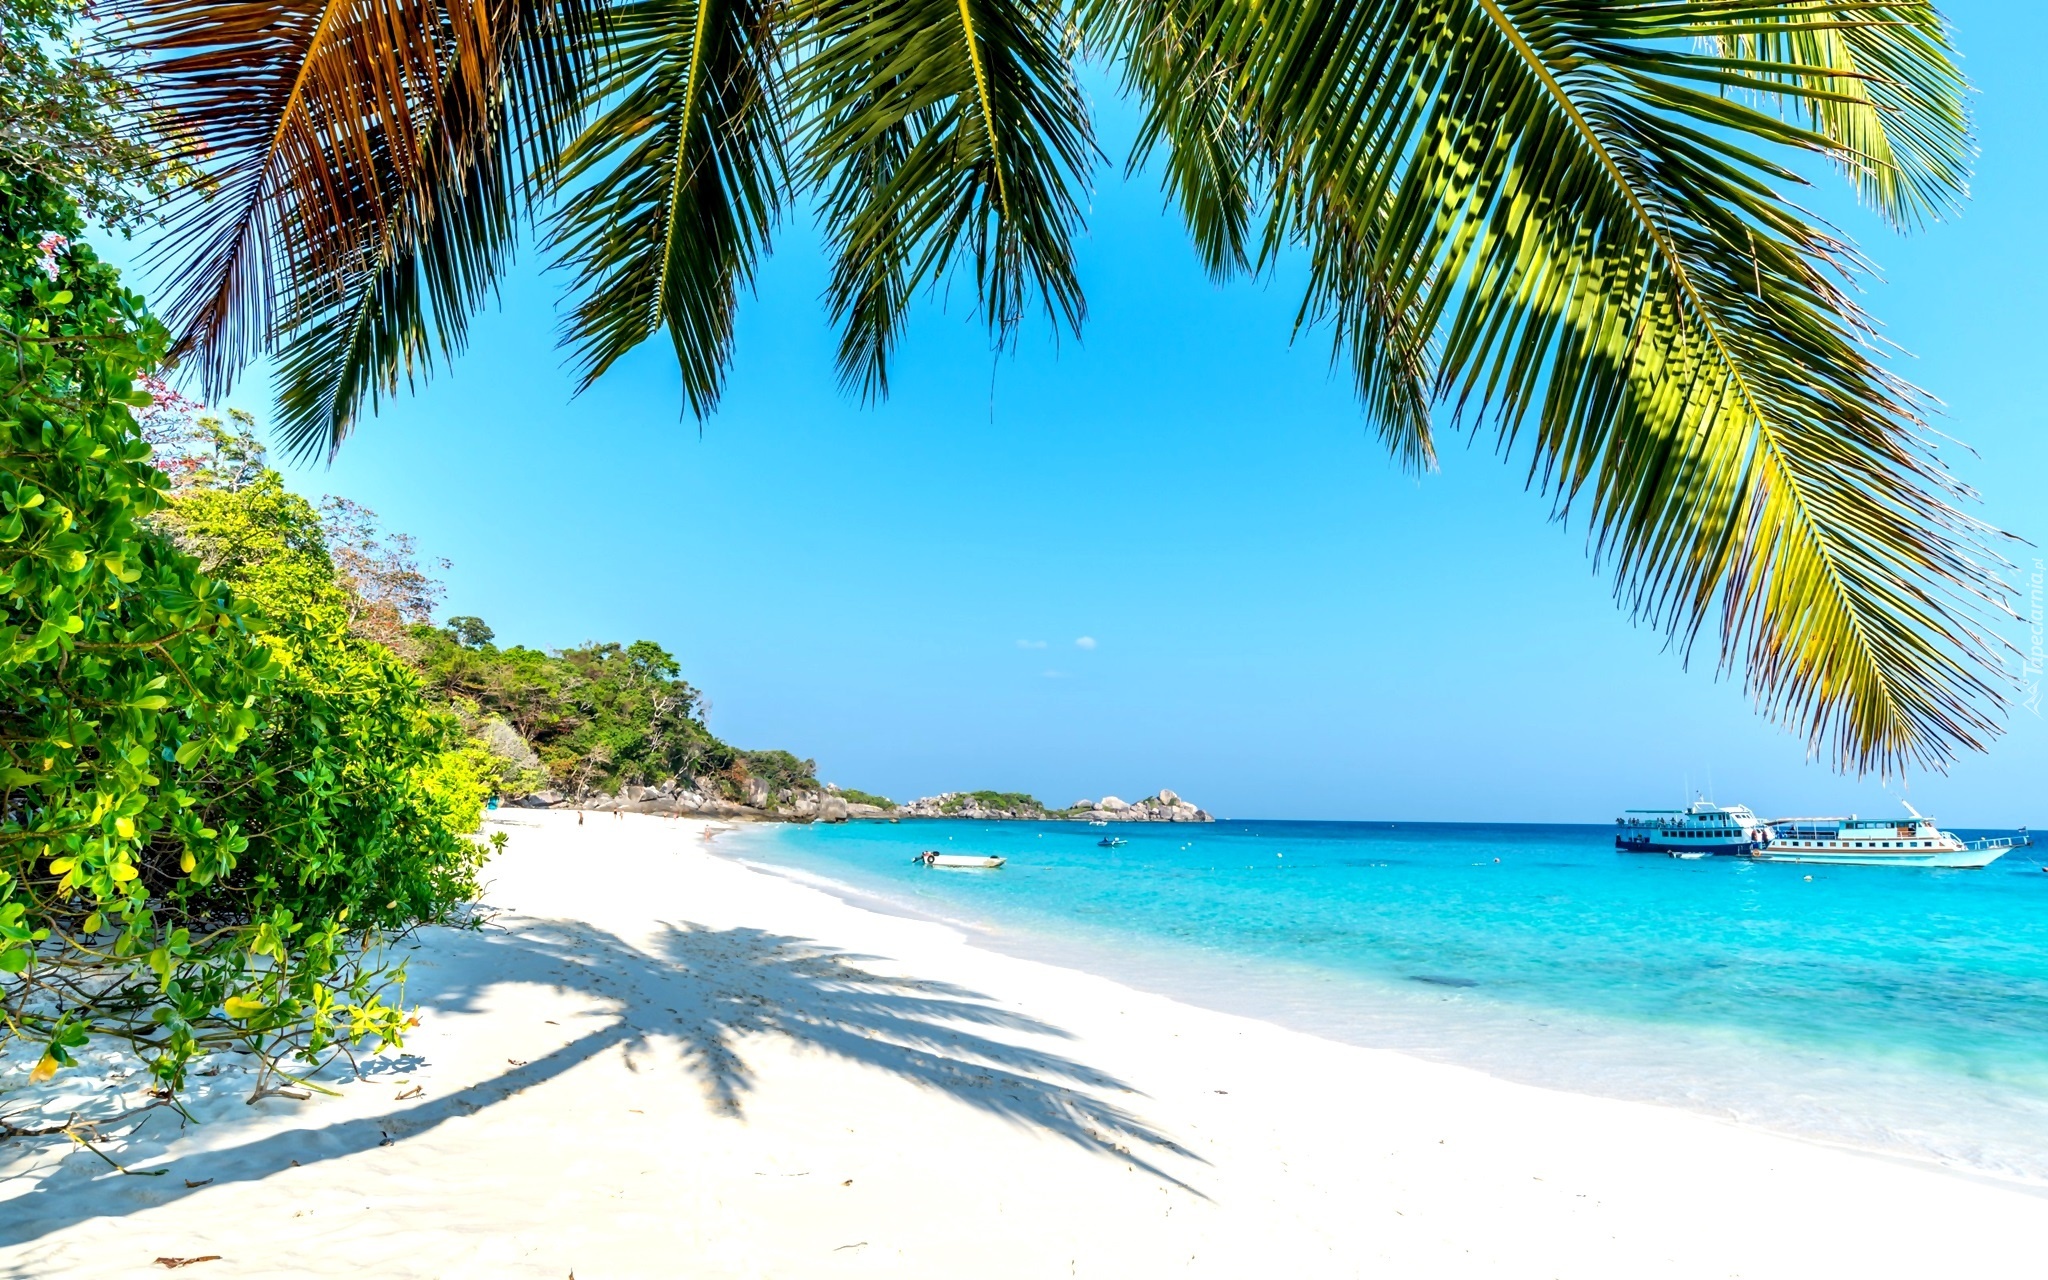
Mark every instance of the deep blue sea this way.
pixel 1887 1008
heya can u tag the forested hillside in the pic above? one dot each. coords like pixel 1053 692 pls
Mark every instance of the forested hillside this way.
pixel 594 718
pixel 583 722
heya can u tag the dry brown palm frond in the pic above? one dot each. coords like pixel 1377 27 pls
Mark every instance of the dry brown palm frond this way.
pixel 360 163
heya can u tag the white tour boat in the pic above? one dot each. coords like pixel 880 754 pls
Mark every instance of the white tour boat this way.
pixel 1882 842
pixel 1699 829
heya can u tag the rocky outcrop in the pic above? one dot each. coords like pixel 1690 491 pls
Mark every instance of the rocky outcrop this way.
pixel 969 804
pixel 1163 807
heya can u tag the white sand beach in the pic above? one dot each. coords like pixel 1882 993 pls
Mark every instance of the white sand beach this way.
pixel 659 1062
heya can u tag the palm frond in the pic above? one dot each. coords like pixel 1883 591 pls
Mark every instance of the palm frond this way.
pixel 675 185
pixel 1886 92
pixel 409 295
pixel 937 126
pixel 1220 169
pixel 1383 339
pixel 1214 165
pixel 337 147
pixel 1569 198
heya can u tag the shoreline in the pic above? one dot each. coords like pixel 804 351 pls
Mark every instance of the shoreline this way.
pixel 659 1060
pixel 1579 1052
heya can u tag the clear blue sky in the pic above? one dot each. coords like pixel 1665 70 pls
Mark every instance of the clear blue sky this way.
pixel 1283 624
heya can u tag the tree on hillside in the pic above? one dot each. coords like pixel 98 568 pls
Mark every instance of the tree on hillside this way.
pixel 1567 224
pixel 66 116
pixel 390 589
pixel 470 631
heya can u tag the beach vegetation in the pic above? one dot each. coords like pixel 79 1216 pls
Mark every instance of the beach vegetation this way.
pixel 1576 231
pixel 217 800
pixel 597 717
pixel 854 795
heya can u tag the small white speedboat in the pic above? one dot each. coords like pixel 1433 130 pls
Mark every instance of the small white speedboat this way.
pixel 1689 856
pixel 975 861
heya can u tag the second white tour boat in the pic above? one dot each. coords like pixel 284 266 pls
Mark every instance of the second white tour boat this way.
pixel 1882 842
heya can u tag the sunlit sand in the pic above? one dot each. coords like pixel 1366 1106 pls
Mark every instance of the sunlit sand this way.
pixel 655 1061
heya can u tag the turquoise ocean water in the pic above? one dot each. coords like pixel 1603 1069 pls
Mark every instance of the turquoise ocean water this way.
pixel 1900 1010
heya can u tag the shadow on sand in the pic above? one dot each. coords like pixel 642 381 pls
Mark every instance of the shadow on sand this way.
pixel 705 992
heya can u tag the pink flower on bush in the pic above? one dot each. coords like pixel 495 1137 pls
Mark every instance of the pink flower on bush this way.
pixel 51 245
pixel 169 428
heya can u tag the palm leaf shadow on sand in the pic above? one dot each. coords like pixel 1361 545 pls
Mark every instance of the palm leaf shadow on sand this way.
pixel 706 991
pixel 718 987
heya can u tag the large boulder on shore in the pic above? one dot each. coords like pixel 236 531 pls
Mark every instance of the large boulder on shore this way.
pixel 504 742
pixel 1167 806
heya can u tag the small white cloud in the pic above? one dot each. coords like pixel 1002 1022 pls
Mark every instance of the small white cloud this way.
pixel 1085 642
pixel 1055 675
pixel 1031 644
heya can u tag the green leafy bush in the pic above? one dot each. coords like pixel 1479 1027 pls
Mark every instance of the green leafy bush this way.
pixel 379 780
pixel 212 800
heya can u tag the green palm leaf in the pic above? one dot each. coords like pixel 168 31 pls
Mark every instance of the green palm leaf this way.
pixel 1565 198
pixel 345 346
pixel 1383 339
pixel 1888 94
pixel 1215 166
pixel 937 127
pixel 675 185
pixel 1563 220
pixel 1219 167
